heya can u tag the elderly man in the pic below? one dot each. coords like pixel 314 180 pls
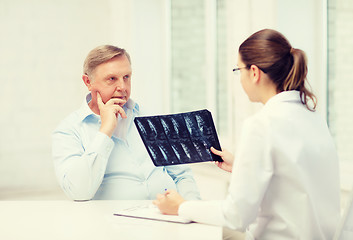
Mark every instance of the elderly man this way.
pixel 97 151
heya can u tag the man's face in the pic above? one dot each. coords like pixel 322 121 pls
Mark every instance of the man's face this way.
pixel 112 79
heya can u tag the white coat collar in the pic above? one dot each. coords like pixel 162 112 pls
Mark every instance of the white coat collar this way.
pixel 286 96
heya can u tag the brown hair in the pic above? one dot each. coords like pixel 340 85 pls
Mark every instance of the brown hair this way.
pixel 270 51
pixel 100 55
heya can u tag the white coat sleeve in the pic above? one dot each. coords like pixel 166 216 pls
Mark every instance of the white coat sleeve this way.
pixel 252 172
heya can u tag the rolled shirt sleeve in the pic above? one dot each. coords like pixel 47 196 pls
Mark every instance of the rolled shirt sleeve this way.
pixel 184 181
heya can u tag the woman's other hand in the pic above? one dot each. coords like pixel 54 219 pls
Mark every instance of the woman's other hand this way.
pixel 169 202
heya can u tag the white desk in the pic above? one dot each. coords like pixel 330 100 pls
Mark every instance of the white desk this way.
pixel 63 220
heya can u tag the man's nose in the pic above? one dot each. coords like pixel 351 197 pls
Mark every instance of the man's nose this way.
pixel 120 85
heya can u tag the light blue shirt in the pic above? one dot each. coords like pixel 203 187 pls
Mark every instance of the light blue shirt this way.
pixel 90 165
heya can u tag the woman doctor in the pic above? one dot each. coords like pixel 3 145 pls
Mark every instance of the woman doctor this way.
pixel 285 183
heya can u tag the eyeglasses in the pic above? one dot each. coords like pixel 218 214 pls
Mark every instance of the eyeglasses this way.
pixel 235 70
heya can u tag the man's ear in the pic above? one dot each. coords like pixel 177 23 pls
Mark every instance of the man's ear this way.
pixel 87 81
pixel 255 73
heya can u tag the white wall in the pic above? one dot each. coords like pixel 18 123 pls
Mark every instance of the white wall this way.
pixel 149 39
pixel 304 24
pixel 42 47
pixel 246 18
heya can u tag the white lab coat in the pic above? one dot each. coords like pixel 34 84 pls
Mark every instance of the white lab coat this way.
pixel 285 180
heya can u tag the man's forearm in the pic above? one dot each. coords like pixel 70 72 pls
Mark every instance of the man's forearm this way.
pixel 185 182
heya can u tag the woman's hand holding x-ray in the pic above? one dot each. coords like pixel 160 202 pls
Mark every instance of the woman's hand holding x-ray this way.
pixel 227 158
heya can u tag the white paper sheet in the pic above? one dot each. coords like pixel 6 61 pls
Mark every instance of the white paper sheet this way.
pixel 150 212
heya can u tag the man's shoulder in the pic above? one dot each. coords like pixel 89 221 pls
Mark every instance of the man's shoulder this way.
pixel 71 121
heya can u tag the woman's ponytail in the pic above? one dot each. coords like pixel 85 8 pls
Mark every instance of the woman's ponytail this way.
pixel 296 78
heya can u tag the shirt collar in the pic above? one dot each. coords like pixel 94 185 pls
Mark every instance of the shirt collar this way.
pixel 85 111
pixel 285 96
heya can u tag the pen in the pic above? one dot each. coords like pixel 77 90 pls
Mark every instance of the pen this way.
pixel 165 192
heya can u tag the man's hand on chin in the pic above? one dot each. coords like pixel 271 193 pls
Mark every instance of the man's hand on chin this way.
pixel 109 113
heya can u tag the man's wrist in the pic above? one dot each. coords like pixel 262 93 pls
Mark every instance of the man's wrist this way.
pixel 107 132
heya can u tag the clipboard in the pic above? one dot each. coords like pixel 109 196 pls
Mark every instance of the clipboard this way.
pixel 150 212
pixel 179 138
